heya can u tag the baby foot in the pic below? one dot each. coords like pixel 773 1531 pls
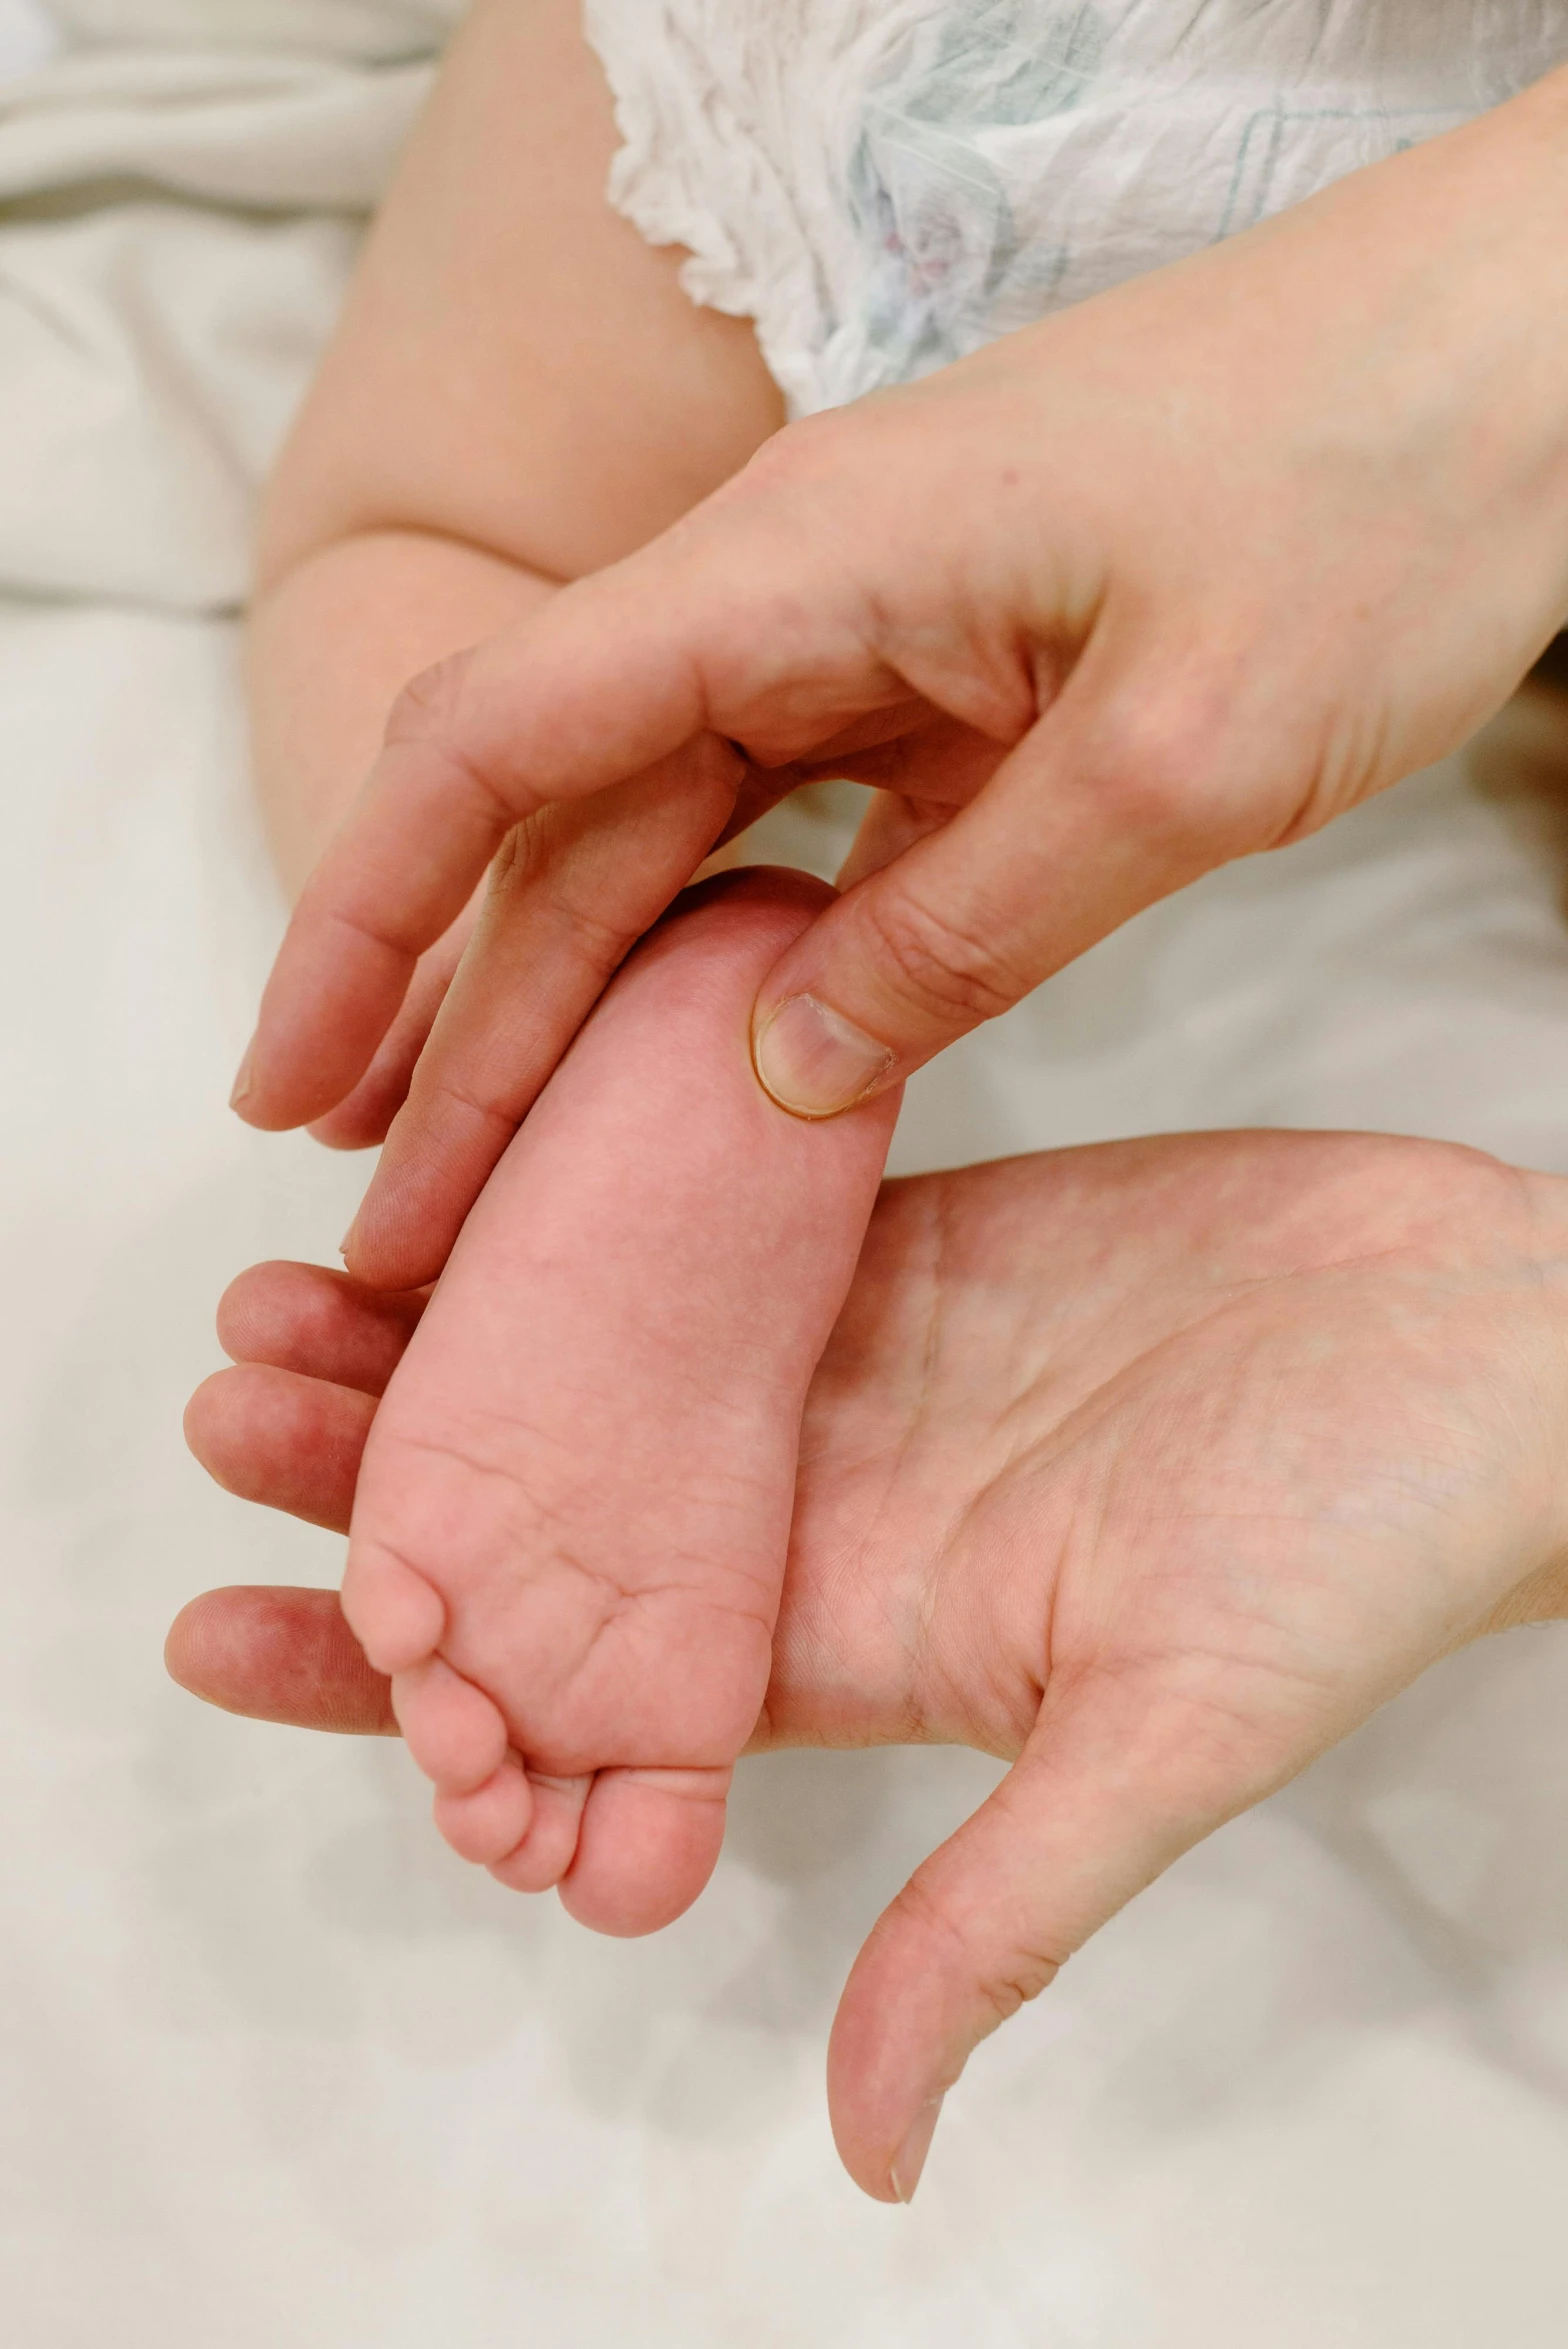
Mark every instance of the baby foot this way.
pixel 1152 1467
pixel 571 1524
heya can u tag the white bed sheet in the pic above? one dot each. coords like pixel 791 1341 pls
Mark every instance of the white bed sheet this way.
pixel 279 2069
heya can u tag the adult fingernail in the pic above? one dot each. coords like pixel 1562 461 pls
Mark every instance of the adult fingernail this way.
pixel 243 1083
pixel 910 2159
pixel 815 1062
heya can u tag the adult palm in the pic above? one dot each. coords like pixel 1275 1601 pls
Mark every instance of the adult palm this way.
pixel 1152 1468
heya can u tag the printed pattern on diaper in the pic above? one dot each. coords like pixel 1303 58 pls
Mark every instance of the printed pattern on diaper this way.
pixel 933 204
pixel 886 185
pixel 1273 139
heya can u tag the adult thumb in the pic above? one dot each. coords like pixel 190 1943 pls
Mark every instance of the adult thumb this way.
pixel 1113 1786
pixel 1071 835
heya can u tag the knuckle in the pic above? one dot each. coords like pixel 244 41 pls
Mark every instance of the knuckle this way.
pixel 528 886
pixel 1163 768
pixel 431 723
pixel 455 1091
pixel 475 1102
pixel 937 964
pixel 514 864
pixel 1014 1981
pixel 811 450
pixel 1002 1979
pixel 430 703
pixel 1149 777
pixel 598 943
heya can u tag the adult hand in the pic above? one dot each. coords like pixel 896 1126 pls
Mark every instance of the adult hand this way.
pixel 1171 577
pixel 1153 1468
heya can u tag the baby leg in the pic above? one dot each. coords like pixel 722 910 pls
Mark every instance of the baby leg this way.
pixel 518 393
pixel 571 1522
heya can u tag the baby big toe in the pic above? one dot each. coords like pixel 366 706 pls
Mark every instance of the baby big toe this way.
pixel 650 1840
pixel 453 1730
pixel 491 1821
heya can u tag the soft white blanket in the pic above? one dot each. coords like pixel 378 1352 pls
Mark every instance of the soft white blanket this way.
pixel 280 2070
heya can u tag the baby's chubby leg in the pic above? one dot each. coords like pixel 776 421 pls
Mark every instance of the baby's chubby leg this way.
pixel 518 393
pixel 574 1511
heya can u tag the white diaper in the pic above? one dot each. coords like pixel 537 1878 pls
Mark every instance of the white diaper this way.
pixel 884 185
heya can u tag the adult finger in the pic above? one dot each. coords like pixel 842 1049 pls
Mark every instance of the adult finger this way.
pixel 750 620
pixel 289 1442
pixel 316 1321
pixel 361 1121
pixel 1116 1782
pixel 571 894
pixel 279 1655
pixel 1088 821
pixel 599 686
pixel 566 902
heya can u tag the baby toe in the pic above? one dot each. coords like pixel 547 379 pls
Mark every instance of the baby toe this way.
pixel 545 1852
pixel 453 1730
pixel 650 1840
pixel 397 1617
pixel 491 1821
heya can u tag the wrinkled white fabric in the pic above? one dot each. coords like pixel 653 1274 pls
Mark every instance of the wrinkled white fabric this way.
pixel 28 38
pixel 884 185
pixel 366 31
pixel 277 2069
pixel 190 219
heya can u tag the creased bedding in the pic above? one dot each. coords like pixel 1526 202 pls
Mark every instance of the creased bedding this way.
pixel 279 2069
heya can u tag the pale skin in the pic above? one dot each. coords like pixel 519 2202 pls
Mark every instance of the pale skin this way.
pixel 518 395
pixel 1038 598
pixel 573 1514
pixel 1152 1468
pixel 521 399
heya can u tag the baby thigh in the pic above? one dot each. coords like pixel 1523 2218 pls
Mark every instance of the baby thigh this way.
pixel 518 394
